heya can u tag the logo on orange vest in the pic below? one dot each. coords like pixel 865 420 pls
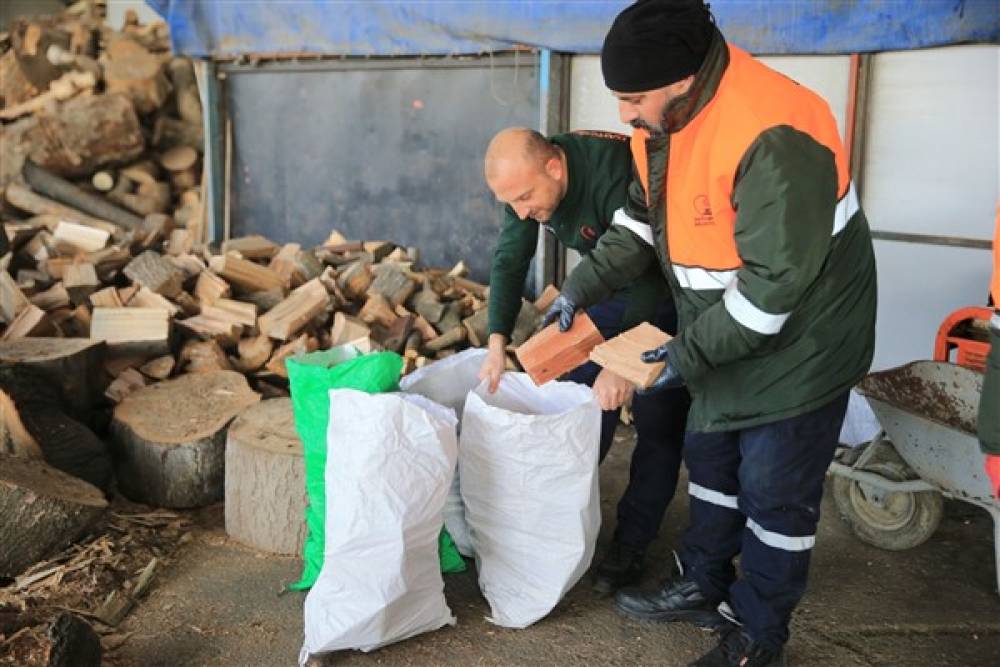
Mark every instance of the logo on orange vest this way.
pixel 703 211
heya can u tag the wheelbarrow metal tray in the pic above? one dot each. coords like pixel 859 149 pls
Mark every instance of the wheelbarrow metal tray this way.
pixel 928 409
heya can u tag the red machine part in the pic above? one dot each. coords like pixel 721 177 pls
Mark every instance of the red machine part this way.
pixel 953 335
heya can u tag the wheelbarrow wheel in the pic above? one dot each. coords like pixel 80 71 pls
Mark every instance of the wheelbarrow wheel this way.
pixel 892 520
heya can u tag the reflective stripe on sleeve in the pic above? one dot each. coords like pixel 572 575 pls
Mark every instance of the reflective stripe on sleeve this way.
pixel 640 229
pixel 749 315
pixel 697 278
pixel 846 208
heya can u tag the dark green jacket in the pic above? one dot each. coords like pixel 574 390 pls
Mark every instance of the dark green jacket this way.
pixel 599 172
pixel 785 195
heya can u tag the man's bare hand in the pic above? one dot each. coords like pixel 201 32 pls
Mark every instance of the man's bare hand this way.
pixel 612 391
pixel 496 362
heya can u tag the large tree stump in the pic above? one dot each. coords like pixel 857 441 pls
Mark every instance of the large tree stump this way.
pixel 170 438
pixel 42 510
pixel 74 363
pixel 265 479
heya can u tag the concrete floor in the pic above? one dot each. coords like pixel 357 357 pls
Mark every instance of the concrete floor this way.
pixel 219 604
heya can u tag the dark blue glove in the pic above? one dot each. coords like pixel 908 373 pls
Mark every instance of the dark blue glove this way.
pixel 563 308
pixel 669 377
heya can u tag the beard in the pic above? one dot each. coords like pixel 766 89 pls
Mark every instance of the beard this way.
pixel 654 130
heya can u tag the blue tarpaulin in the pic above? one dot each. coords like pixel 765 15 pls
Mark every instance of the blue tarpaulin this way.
pixel 225 28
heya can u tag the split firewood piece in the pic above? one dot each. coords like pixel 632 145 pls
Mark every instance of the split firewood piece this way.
pixel 126 293
pixel 31 321
pixel 253 246
pixel 52 298
pixel 286 265
pixel 622 354
pixel 72 363
pixel 56 266
pixel 132 329
pixel 137 73
pixel 155 272
pixel 393 337
pixel 379 250
pixel 334 239
pixel 546 298
pixel 246 275
pixel 118 364
pixel 210 287
pixel 190 265
pixel 19 233
pixel 265 479
pixel 394 285
pixel 477 325
pixel 170 438
pixel 106 298
pixel 348 330
pixel 109 261
pixel 155 227
pixel 458 270
pixel 447 339
pixel 80 281
pixel 44 511
pixel 159 368
pixel 40 247
pixel 181 242
pixel 128 381
pixel 551 352
pixel 291 315
pixel 355 279
pixel 143 171
pixel 253 353
pixel 82 135
pixel 451 318
pixel 181 72
pixel 427 332
pixel 528 319
pixel 23 198
pixel 203 356
pixel 378 310
pixel 15 87
pixel 146 298
pixel 238 312
pixel 470 287
pixel 301 345
pixel 74 237
pixel 264 300
pixel 12 299
pixel 224 332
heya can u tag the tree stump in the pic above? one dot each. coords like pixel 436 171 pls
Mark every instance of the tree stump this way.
pixel 170 438
pixel 73 363
pixel 42 510
pixel 265 479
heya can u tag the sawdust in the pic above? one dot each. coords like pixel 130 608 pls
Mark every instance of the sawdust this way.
pixel 81 578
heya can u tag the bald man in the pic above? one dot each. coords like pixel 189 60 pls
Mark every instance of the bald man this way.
pixel 571 185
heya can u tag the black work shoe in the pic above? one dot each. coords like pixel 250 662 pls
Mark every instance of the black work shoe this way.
pixel 678 599
pixel 737 649
pixel 622 566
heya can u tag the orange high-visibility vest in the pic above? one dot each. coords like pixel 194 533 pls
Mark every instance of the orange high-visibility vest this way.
pixel 705 154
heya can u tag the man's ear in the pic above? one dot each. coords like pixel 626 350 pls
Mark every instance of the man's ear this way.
pixel 554 168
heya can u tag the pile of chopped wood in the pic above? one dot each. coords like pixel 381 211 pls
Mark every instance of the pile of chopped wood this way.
pixel 103 219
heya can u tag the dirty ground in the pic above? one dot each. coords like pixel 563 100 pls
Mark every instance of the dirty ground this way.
pixel 218 604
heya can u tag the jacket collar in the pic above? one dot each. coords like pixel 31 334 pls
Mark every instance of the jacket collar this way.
pixel 683 109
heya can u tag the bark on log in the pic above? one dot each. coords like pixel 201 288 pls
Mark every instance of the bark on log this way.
pixel 74 363
pixel 170 438
pixel 43 511
pixel 23 198
pixel 265 479
pixel 185 90
pixel 46 183
pixel 85 134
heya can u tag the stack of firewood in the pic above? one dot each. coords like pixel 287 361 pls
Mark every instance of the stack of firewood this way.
pixel 103 221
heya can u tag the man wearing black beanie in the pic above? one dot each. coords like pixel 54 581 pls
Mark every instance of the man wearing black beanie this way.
pixel 742 195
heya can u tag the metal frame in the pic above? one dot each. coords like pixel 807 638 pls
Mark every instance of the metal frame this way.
pixel 553 104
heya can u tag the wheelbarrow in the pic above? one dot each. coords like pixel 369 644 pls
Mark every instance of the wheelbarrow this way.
pixel 890 490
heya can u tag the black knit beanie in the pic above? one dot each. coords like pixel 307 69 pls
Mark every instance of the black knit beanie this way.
pixel 654 43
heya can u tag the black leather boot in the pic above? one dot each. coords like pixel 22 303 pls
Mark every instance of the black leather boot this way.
pixel 678 599
pixel 622 566
pixel 737 649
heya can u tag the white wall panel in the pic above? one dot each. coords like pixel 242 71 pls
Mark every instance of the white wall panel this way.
pixel 932 160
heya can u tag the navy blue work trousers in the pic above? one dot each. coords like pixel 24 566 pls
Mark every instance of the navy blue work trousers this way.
pixel 756 493
pixel 660 421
